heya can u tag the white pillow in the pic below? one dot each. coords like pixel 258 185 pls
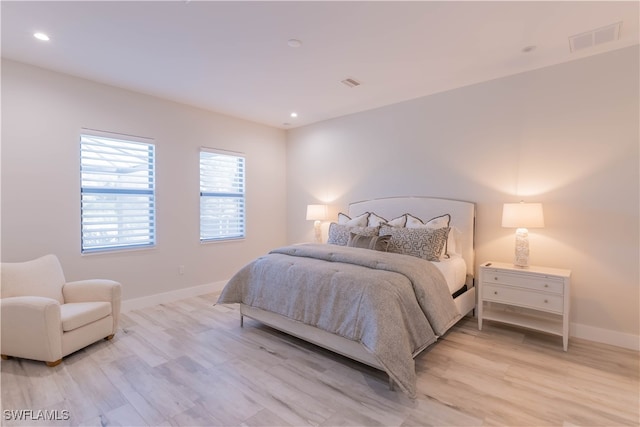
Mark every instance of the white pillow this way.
pixel 401 221
pixel 452 242
pixel 434 223
pixel 375 220
pixel 359 221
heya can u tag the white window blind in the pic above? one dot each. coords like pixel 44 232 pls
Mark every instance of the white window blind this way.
pixel 222 196
pixel 118 192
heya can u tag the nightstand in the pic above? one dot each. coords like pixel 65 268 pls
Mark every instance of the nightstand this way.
pixel 532 297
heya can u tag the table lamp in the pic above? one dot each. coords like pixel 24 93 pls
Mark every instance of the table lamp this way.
pixel 522 216
pixel 317 213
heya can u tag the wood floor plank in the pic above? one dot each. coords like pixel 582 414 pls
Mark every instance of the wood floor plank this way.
pixel 430 412
pixel 75 398
pixel 95 385
pixel 190 363
pixel 265 418
pixel 268 391
pixel 144 408
pixel 124 416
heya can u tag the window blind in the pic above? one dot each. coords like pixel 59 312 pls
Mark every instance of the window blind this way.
pixel 222 196
pixel 117 193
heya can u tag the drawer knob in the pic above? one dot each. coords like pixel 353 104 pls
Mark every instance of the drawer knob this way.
pixel 546 301
pixel 495 278
pixel 495 292
pixel 546 285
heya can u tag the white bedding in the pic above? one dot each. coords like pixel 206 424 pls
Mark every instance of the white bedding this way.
pixel 454 271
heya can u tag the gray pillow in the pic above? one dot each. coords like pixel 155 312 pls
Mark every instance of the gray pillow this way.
pixel 423 243
pixel 376 243
pixel 339 233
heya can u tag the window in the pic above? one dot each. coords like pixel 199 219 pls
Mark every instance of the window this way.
pixel 222 190
pixel 117 192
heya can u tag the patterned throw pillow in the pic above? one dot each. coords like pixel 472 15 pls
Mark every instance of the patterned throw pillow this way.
pixel 423 243
pixel 441 221
pixel 376 243
pixel 339 233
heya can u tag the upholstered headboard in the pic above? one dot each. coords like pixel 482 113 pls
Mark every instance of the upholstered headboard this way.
pixel 463 216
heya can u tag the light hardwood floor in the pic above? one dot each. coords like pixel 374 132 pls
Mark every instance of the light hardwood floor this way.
pixel 189 363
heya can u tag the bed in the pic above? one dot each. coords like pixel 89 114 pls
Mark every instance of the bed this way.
pixel 397 304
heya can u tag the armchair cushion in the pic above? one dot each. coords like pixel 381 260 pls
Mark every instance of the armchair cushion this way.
pixel 42 277
pixel 77 314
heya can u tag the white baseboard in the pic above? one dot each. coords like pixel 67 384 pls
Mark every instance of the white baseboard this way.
pixel 605 336
pixel 166 297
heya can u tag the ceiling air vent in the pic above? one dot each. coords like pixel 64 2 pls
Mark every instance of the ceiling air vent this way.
pixel 595 37
pixel 350 82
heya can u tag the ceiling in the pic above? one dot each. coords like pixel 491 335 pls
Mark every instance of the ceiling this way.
pixel 234 57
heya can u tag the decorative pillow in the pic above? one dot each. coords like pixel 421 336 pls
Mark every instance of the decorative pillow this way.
pixel 375 220
pixel 400 221
pixel 376 243
pixel 339 233
pixel 441 221
pixel 343 218
pixel 437 222
pixel 426 243
pixel 359 221
pixel 452 241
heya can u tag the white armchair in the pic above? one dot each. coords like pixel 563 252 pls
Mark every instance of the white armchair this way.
pixel 45 318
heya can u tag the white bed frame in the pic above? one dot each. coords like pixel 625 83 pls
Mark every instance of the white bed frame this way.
pixel 462 217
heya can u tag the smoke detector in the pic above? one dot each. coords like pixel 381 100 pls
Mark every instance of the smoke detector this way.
pixel 595 37
pixel 350 82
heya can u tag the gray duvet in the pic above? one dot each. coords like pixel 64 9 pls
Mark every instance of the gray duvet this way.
pixel 395 305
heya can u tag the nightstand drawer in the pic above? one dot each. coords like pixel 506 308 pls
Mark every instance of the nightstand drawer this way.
pixel 534 282
pixel 522 298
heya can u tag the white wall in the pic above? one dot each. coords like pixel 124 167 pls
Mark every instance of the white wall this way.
pixel 566 136
pixel 42 114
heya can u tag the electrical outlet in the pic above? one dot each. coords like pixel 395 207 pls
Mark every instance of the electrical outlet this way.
pixel 181 270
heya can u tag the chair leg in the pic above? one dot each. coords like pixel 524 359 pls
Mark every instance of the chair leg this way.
pixel 110 337
pixel 52 364
pixel 5 357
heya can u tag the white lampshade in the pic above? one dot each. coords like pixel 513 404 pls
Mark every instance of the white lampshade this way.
pixel 522 215
pixel 317 212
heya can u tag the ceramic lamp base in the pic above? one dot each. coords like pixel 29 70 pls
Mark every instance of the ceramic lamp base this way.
pixel 318 232
pixel 522 248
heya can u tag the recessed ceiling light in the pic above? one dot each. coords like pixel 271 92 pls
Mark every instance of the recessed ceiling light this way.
pixel 294 115
pixel 41 36
pixel 294 43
